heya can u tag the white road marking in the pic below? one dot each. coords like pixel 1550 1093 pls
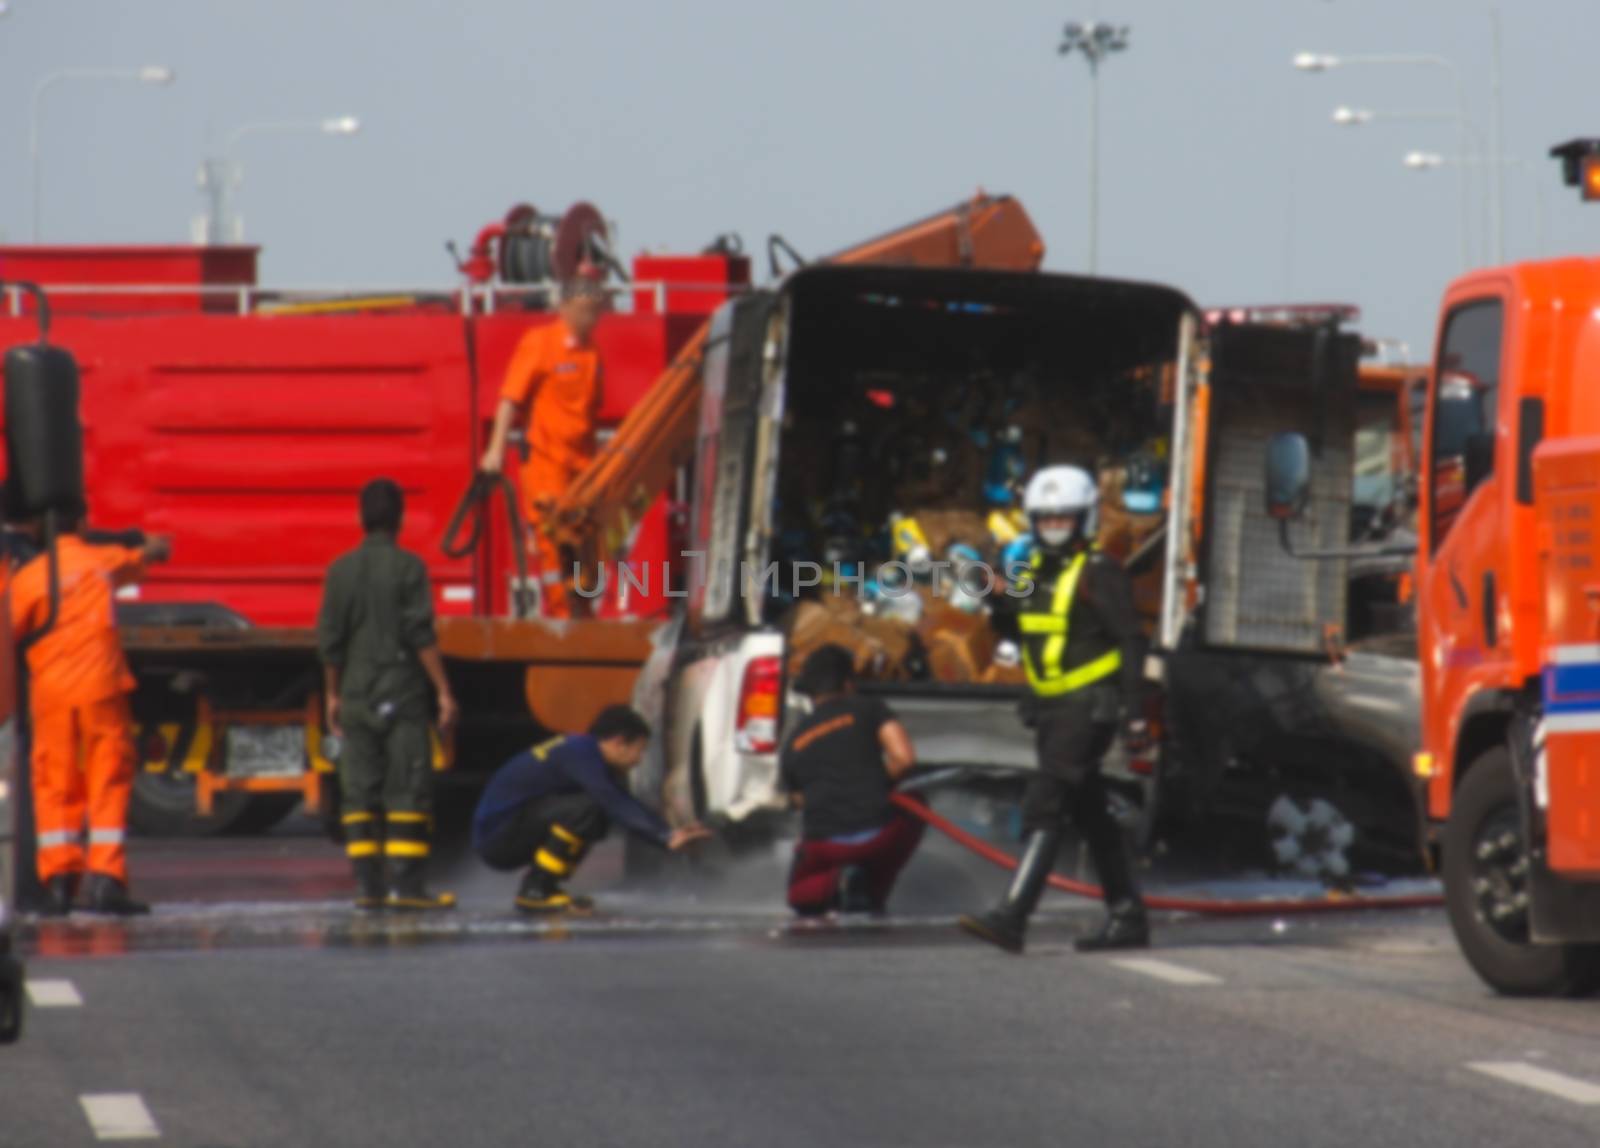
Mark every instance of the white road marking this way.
pixel 1166 971
pixel 53 994
pixel 1540 1080
pixel 119 1116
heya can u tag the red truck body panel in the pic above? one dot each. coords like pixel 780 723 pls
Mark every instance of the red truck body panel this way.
pixel 142 267
pixel 247 436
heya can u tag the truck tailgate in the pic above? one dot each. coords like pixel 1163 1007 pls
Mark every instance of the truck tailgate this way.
pixel 961 725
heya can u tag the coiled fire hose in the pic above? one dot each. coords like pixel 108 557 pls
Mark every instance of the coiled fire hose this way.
pixel 472 511
pixel 1213 907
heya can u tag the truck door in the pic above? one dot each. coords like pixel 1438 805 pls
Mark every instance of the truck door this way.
pixel 1178 592
pixel 727 675
pixel 1463 535
pixel 1263 379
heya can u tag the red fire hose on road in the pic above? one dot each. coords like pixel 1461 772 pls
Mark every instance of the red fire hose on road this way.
pixel 1281 907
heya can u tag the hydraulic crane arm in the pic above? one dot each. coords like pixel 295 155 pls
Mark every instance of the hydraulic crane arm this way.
pixel 657 437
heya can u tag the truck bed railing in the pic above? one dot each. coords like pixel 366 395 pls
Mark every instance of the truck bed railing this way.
pixel 256 299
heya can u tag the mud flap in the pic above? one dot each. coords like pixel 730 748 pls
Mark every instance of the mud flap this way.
pixel 1561 911
pixel 1552 759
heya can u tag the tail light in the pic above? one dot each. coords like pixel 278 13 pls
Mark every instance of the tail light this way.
pixel 760 695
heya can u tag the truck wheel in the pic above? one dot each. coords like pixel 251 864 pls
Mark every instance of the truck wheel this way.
pixel 1310 837
pixel 1485 883
pixel 261 812
pixel 163 806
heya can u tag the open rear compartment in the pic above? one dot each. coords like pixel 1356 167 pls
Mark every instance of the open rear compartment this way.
pixel 915 406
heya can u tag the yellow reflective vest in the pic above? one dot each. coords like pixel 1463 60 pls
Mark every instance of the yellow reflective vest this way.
pixel 1047 673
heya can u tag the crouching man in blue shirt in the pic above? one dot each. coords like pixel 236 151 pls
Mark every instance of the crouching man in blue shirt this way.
pixel 545 807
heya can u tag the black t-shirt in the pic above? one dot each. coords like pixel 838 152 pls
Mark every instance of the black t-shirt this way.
pixel 835 762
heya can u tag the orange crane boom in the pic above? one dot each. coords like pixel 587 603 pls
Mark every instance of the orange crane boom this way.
pixel 657 437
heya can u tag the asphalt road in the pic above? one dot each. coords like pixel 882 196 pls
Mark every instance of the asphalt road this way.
pixel 694 1015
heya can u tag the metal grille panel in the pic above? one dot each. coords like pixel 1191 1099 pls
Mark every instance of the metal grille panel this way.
pixel 1257 596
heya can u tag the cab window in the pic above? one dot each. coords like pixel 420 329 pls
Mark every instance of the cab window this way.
pixel 1380 462
pixel 1466 399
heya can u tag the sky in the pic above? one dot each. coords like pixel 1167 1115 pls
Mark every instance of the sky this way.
pixel 828 121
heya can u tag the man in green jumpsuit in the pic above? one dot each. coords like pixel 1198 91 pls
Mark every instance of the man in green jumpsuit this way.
pixel 380 657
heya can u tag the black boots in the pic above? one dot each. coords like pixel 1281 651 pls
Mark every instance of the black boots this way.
pixel 541 894
pixel 1006 925
pixel 555 860
pixel 854 895
pixel 59 893
pixel 103 894
pixel 372 888
pixel 1125 927
pixel 408 890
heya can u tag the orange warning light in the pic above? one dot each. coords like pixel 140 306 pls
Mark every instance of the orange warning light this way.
pixel 1591 177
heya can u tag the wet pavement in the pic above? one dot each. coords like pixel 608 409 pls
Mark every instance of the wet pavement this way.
pixel 254 1008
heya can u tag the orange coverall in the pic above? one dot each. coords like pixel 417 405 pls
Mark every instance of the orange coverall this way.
pixel 83 755
pixel 556 384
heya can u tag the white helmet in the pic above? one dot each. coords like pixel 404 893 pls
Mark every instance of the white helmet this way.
pixel 1062 490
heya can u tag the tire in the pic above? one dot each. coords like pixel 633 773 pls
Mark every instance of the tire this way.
pixel 261 812
pixel 1477 888
pixel 1310 836
pixel 163 806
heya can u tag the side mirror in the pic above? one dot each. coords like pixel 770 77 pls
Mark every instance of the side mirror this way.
pixel 1288 476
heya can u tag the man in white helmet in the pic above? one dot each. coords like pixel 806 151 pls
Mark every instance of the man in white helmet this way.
pixel 1083 650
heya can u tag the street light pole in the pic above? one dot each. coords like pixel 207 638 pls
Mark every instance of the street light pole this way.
pixel 1324 62
pixel 154 74
pixel 1096 41
pixel 1497 186
pixel 218 177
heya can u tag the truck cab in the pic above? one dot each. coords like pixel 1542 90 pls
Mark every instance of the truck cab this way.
pixel 1508 617
pixel 1508 611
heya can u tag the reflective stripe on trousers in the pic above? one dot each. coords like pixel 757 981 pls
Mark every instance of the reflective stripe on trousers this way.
pixel 83 763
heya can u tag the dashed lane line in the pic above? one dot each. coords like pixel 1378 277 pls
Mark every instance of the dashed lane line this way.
pixel 53 994
pixel 1544 1080
pixel 119 1116
pixel 1173 974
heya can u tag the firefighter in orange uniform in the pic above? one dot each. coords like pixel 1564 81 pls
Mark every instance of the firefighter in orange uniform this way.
pixel 83 753
pixel 553 386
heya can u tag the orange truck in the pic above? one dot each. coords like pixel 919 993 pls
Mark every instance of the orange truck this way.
pixel 1507 571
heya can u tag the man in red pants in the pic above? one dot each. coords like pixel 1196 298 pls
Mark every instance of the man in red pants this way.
pixel 83 754
pixel 840 766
